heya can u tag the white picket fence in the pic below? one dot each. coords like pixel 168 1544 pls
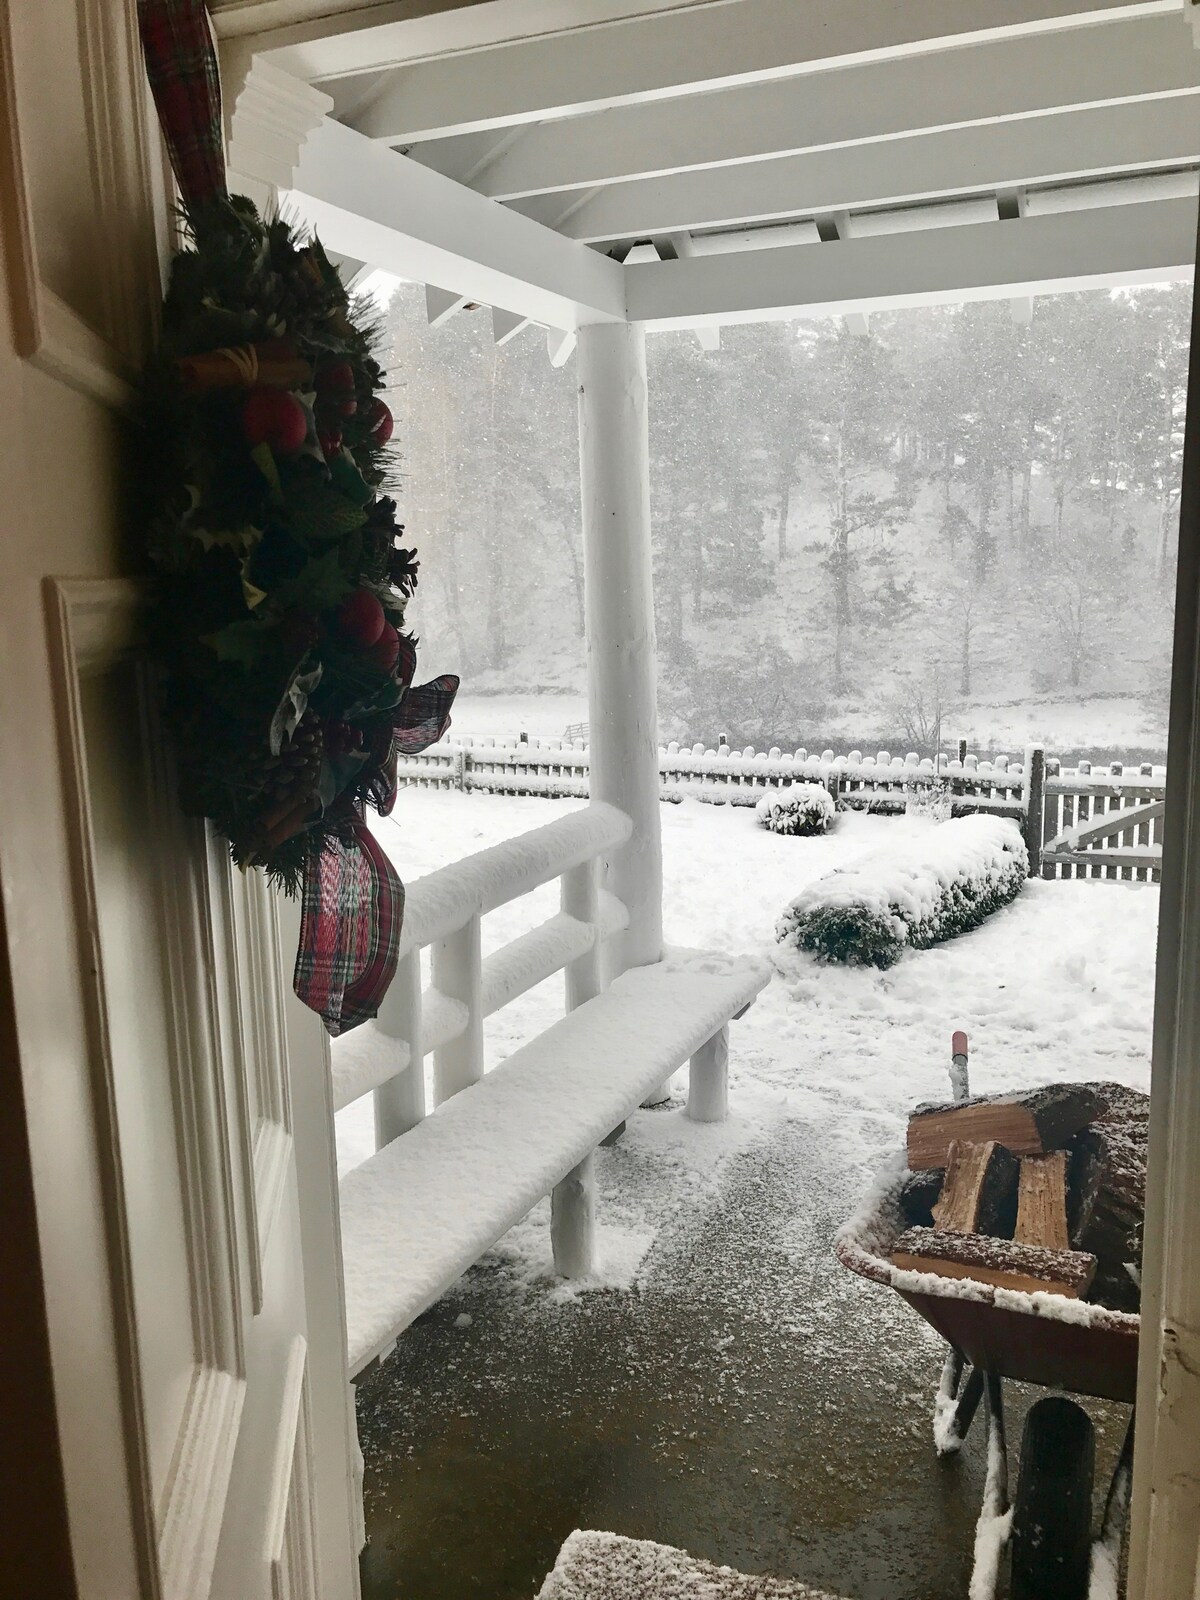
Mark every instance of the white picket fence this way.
pixel 1095 821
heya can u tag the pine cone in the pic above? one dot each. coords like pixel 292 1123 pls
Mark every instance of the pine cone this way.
pixel 291 779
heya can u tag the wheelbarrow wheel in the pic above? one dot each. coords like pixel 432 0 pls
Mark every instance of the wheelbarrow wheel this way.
pixel 1052 1512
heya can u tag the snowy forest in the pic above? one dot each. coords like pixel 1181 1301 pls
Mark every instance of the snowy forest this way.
pixel 957 525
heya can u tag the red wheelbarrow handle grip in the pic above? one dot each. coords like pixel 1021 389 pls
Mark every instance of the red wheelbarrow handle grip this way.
pixel 958 1044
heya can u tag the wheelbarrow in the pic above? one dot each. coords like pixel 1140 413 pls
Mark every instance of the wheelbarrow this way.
pixel 1069 1346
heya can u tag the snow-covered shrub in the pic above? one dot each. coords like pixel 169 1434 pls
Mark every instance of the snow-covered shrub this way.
pixel 913 895
pixel 798 808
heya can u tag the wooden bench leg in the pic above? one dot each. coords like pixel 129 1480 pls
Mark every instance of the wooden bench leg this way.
pixel 708 1080
pixel 573 1221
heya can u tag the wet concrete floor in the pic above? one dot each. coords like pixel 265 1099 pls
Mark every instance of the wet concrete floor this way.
pixel 750 1401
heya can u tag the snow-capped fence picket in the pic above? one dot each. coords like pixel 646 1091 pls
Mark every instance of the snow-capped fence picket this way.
pixel 884 783
pixel 911 896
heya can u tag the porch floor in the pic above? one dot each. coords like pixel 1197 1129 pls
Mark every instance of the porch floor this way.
pixel 729 1388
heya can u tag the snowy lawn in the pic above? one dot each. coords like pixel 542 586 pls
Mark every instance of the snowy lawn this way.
pixel 1057 985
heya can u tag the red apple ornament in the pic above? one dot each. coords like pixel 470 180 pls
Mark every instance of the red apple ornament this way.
pixel 335 378
pixel 360 618
pixel 379 421
pixel 385 652
pixel 276 418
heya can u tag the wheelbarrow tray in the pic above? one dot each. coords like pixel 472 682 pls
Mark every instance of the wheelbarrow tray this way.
pixel 1041 1338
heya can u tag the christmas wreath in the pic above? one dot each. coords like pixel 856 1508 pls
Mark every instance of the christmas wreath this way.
pixel 277 611
pixel 282 579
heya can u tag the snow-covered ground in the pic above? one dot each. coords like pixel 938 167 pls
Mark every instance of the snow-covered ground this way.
pixel 505 716
pixel 1070 726
pixel 1057 985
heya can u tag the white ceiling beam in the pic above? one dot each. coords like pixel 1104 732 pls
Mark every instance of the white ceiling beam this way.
pixel 1125 60
pixel 328 38
pixel 698 48
pixel 506 325
pixel 993 260
pixel 926 166
pixel 560 345
pixel 368 202
pixel 441 304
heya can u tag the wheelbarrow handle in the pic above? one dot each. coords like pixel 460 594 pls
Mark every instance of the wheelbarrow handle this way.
pixel 959 1085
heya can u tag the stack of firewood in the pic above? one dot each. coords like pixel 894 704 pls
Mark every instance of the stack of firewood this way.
pixel 1037 1191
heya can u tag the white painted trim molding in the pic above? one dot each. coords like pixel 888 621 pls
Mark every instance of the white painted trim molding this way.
pixel 1165 1522
pixel 270 117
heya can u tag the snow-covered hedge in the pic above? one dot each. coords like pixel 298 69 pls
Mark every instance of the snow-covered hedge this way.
pixel 928 889
pixel 800 808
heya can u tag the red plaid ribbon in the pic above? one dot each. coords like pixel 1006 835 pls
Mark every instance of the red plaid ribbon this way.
pixel 353 904
pixel 182 67
pixel 350 921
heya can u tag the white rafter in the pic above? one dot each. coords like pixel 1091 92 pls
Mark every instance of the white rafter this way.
pixel 1034 255
pixel 1132 59
pixel 370 203
pixel 1038 150
pixel 687 51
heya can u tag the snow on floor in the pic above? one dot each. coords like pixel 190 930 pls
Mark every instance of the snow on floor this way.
pixel 1058 985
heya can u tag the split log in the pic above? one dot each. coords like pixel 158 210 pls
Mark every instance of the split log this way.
pixel 918 1196
pixel 1002 1262
pixel 1026 1124
pixel 977 1196
pixel 1107 1200
pixel 1042 1201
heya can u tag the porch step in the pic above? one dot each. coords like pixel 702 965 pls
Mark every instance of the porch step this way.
pixel 423 1209
pixel 604 1566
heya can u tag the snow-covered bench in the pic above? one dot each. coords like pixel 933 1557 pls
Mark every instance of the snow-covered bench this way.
pixel 432 1200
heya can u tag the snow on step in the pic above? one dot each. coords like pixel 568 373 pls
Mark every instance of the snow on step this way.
pixel 420 1211
pixel 607 1566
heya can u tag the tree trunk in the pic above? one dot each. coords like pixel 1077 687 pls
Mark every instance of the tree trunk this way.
pixel 1026 481
pixel 983 537
pixel 964 682
pixel 785 495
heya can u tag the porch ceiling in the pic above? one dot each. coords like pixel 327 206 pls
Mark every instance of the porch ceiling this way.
pixel 849 153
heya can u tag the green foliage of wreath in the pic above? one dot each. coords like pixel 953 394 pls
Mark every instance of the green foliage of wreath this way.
pixel 280 581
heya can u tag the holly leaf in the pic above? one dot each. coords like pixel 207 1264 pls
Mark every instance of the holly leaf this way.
pixel 386 698
pixel 320 585
pixel 265 462
pixel 337 774
pixel 292 706
pixel 242 540
pixel 240 642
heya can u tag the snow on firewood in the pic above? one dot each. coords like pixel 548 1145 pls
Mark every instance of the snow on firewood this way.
pixel 801 809
pixel 925 890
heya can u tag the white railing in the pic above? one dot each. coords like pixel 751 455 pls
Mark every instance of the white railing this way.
pixel 443 912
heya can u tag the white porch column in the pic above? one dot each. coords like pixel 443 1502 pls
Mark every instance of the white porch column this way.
pixel 614 457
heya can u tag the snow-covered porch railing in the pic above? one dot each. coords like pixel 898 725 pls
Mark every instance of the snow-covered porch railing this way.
pixel 442 1188
pixel 443 911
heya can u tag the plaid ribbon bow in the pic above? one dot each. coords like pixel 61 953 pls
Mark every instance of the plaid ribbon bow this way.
pixel 182 67
pixel 353 904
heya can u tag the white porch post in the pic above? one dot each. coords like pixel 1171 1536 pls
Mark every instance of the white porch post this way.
pixel 614 456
